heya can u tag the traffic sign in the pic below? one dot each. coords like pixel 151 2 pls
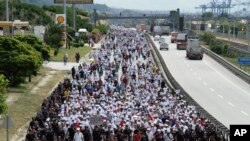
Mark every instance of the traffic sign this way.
pixel 243 60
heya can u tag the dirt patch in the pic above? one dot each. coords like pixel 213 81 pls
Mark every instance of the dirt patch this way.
pixel 12 98
pixel 43 81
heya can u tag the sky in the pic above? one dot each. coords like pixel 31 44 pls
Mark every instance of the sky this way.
pixel 187 6
pixel 155 5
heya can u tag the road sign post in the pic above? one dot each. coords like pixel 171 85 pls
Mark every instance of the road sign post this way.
pixel 7 123
pixel 243 60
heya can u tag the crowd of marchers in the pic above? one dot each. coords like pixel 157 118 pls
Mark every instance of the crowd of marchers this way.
pixel 124 88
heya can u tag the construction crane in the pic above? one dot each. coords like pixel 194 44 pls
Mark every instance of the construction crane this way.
pixel 217 7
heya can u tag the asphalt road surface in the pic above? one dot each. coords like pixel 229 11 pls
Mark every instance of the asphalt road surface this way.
pixel 216 89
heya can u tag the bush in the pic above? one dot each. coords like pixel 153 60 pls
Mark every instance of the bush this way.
pixel 207 37
pixel 56 51
pixel 225 49
pixel 82 43
pixel 217 47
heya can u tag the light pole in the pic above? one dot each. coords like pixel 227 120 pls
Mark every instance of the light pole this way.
pixel 7 10
pixel 65 25
pixel 229 29
pixel 74 16
pixel 223 28
pixel 248 42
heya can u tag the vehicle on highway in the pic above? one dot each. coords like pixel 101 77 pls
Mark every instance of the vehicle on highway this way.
pixel 157 30
pixel 165 30
pixel 194 49
pixel 181 41
pixel 173 36
pixel 156 38
pixel 164 46
pixel 162 40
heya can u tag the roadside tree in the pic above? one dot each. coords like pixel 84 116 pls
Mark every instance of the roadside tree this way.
pixel 3 96
pixel 36 44
pixel 18 60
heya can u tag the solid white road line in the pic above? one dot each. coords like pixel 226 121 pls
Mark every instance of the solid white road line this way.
pixel 243 112
pixel 232 83
pixel 231 104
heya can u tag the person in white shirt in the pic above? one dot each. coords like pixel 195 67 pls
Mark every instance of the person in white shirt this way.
pixel 78 135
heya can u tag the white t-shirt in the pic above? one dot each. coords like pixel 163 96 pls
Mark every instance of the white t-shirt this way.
pixel 78 136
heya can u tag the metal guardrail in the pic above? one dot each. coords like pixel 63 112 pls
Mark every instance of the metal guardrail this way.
pixel 243 75
pixel 203 113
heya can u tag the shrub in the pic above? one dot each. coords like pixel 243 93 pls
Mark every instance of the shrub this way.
pixel 207 37
pixel 217 47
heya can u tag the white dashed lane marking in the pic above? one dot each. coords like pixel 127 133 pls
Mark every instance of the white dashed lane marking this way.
pixel 191 69
pixel 244 113
pixel 195 73
pixel 231 104
pixel 220 96
pixel 205 83
pixel 212 90
pixel 199 78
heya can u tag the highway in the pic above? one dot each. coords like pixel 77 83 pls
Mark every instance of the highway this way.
pixel 216 89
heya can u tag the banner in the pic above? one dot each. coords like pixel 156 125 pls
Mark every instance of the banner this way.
pixel 60 19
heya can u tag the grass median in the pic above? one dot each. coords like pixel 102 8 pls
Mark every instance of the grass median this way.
pixel 71 53
pixel 233 60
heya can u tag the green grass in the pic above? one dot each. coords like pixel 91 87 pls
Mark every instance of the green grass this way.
pixel 234 61
pixel 28 104
pixel 71 52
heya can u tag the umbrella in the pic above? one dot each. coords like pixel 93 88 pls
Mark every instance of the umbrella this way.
pixel 91 59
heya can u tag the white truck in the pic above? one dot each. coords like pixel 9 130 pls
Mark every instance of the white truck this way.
pixel 194 49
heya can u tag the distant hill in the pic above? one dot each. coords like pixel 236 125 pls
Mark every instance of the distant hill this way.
pixel 39 2
pixel 88 7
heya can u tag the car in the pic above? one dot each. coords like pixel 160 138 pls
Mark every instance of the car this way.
pixel 164 46
pixel 157 38
pixel 162 40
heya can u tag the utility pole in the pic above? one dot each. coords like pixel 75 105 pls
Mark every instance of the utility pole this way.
pixel 223 28
pixel 190 26
pixel 7 10
pixel 248 42
pixel 74 16
pixel 65 25
pixel 234 36
pixel 229 35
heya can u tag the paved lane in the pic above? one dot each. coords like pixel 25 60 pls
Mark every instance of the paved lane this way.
pixel 216 89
